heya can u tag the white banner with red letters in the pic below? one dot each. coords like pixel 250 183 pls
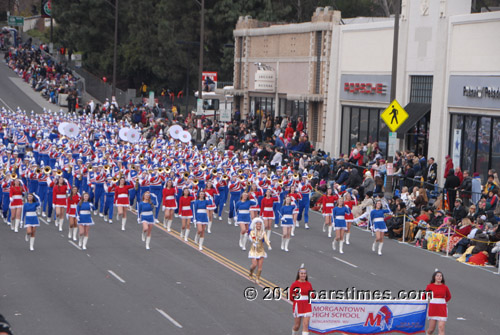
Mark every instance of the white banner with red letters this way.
pixel 368 317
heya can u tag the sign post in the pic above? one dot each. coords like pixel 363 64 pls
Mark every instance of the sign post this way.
pixel 16 21
pixel 393 116
pixel 199 107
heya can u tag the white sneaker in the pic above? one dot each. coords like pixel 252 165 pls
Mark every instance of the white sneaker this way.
pixel 43 214
pixel 297 224
pixel 101 215
pixel 275 226
pixel 48 220
pixel 84 248
pixel 95 212
pixel 380 253
pixel 307 226
pixel 110 221
pixel 105 219
pixel 176 215
pixel 220 218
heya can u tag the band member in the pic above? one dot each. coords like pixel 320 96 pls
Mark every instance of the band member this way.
pixel 257 253
pixel 169 203
pixel 16 202
pixel 145 216
pixel 327 204
pixel 438 311
pixel 122 201
pixel 288 212
pixel 59 194
pixel 235 187
pixel 109 198
pixel 223 192
pixel 305 189
pixel 71 205
pixel 185 212
pixel 266 211
pixel 300 291
pixel 242 208
pixel 256 195
pixel 349 202
pixel 155 186
pixel 296 198
pixel 30 219
pixel 338 215
pixel 211 193
pixel 201 217
pixel 378 225
pixel 84 216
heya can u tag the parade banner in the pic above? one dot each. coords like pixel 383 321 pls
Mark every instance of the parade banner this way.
pixel 368 317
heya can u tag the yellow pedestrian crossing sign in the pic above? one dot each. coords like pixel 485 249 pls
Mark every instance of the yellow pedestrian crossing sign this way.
pixel 394 116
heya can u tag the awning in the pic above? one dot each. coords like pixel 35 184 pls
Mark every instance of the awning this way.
pixel 416 111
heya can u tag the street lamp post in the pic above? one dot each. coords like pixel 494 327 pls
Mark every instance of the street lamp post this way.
pixel 200 67
pixel 113 91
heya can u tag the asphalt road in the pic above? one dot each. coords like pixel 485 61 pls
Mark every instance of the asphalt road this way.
pixel 119 287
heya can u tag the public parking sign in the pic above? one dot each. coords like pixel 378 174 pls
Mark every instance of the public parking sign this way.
pixel 16 21
pixel 394 116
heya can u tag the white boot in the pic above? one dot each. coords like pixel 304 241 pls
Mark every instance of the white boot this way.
pixel 229 221
pixel 297 224
pixel 282 243
pixel 295 332
pixel 324 227
pixel 124 222
pixel 347 236
pixel 26 237
pixel 287 241
pixel 105 219
pixel 306 226
pixel 84 244
pixel 61 224
pixel 374 245
pixel 182 233
pixel 169 225
pixel 341 247
pixel 148 240
pixel 269 237
pixel 165 223
pixel 70 233
pixel 143 236
pixel 330 227
pixel 305 333
pixel 334 245
pixel 75 233
pixel 200 246
pixel 32 243
pixel 245 237
pixel 186 235
pixel 209 228
pixel 196 238
pixel 241 241
pixel 16 225
pixel 80 241
pixel 380 245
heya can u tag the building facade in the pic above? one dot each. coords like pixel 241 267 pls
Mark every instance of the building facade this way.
pixel 282 69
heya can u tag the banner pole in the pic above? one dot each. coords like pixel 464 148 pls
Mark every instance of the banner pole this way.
pixel 448 243
pixel 404 227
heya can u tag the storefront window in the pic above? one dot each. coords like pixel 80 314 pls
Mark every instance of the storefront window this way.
pixel 469 146
pixel 483 145
pixel 373 126
pixel 363 125
pixel 354 127
pixel 383 135
pixel 495 146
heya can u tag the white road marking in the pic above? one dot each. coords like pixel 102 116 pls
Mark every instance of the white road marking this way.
pixel 75 245
pixel 277 233
pixel 43 220
pixel 460 318
pixel 169 318
pixel 116 276
pixel 373 273
pixel 345 262
pixel 6 105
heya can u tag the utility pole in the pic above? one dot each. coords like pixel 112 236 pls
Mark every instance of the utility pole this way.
pixel 395 51
pixel 200 67
pixel 113 91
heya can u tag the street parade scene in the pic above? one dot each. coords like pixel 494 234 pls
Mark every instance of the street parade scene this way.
pixel 253 210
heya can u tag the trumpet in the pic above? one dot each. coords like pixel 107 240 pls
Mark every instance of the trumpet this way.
pixel 280 181
pixel 167 169
pixel 310 176
pixel 186 175
pixel 59 173
pixel 240 172
pixel 115 179
pixel 195 182
pixel 225 177
pixel 107 167
pixel 203 167
pixel 160 170
pixel 141 157
pixel 47 170
pixel 38 170
pixel 241 177
pixel 13 176
pixel 214 172
pixel 296 176
pixel 249 183
pixel 90 167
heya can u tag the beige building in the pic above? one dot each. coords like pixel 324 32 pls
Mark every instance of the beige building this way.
pixel 282 69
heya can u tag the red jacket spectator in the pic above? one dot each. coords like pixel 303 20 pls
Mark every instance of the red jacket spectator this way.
pixel 300 126
pixel 289 131
pixel 449 165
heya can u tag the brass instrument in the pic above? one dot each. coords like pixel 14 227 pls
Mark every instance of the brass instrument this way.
pixel 186 175
pixel 107 167
pixel 38 170
pixel 249 183
pixel 241 177
pixel 59 173
pixel 269 178
pixel 240 172
pixel 195 182
pixel 203 167
pixel 280 181
pixel 47 170
pixel 225 177
pixel 90 167
pixel 13 176
pixel 160 170
pixel 168 169
pixel 214 172
pixel 310 176
pixel 115 179
pixel 141 157
pixel 134 167
pixel 296 176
